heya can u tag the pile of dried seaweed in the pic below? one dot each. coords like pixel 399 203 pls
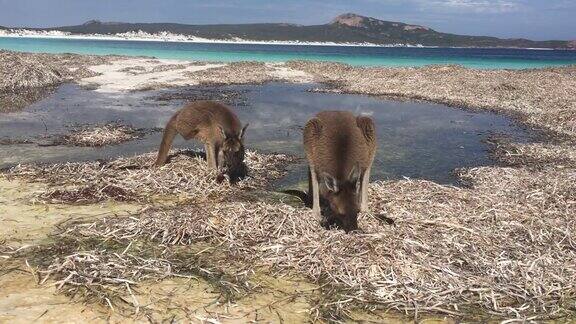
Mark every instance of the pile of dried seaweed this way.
pixel 135 179
pixel 137 70
pixel 100 268
pixel 109 134
pixel 505 246
pixel 234 73
pixel 226 96
pixel 28 70
pixel 13 100
pixel 108 272
pixel 87 136
pixel 542 155
pixel 27 77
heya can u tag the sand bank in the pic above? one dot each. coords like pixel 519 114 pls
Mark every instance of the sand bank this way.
pixel 143 74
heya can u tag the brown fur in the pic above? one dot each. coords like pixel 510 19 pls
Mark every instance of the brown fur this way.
pixel 340 149
pixel 211 123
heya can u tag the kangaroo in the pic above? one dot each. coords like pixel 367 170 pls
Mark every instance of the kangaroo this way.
pixel 340 149
pixel 217 127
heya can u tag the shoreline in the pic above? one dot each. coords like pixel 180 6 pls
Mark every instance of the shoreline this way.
pixel 195 40
pixel 137 37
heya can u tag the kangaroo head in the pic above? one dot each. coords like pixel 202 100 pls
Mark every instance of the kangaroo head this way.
pixel 231 155
pixel 343 198
pixel 233 142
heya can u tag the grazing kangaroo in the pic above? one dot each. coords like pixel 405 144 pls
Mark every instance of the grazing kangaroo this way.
pixel 213 124
pixel 340 149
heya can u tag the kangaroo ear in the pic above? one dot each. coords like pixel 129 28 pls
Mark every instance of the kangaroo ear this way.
pixel 315 126
pixel 330 182
pixel 222 131
pixel 243 131
pixel 366 125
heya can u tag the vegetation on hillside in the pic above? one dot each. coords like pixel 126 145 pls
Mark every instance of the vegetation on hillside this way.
pixel 346 28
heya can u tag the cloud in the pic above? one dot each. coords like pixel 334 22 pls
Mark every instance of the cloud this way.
pixel 473 6
pixel 564 5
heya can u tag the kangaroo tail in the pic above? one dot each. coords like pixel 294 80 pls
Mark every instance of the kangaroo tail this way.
pixel 169 133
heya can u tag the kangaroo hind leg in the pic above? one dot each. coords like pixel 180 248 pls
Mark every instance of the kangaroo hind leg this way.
pixel 364 195
pixel 315 194
pixel 210 158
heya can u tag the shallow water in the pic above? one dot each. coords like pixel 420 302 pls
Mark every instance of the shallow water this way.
pixel 482 58
pixel 416 140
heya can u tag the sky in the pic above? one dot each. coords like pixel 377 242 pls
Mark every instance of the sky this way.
pixel 533 19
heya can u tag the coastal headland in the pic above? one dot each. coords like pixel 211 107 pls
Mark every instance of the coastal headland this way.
pixel 348 29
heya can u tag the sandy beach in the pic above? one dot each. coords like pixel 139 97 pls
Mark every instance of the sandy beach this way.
pixel 141 36
pixel 501 246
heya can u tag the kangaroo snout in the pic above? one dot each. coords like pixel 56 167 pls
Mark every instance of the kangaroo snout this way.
pixel 350 223
pixel 346 221
pixel 343 199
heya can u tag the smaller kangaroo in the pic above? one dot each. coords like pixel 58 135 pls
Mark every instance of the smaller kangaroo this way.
pixel 340 149
pixel 217 127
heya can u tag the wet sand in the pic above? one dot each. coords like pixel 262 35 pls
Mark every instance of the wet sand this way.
pixel 26 221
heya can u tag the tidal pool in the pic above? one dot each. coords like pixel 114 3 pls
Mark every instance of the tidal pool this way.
pixel 415 139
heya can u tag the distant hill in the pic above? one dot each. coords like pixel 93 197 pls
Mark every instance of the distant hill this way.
pixel 346 28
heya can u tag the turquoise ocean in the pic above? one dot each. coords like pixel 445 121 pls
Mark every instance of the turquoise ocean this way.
pixel 354 55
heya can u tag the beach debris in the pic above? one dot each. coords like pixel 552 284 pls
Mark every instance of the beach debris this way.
pixel 97 136
pixel 14 141
pixel 221 94
pixel 186 176
pixel 502 247
pixel 234 73
pixel 158 67
pixel 87 135
pixel 37 70
pixel 109 272
pixel 28 77
pixel 14 100
pixel 536 154
pixel 133 70
pixel 168 67
pixel 484 250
